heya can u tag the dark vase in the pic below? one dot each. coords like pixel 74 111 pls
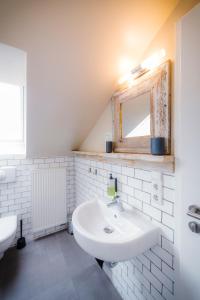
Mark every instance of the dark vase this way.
pixel 109 146
pixel 158 146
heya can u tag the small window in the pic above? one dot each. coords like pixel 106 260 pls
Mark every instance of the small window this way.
pixel 12 117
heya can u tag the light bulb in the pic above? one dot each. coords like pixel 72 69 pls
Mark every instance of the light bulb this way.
pixel 124 78
pixel 154 60
pixel 129 74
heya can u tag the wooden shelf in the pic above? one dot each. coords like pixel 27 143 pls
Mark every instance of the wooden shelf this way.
pixel 164 163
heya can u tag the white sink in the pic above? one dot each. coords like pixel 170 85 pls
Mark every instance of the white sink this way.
pixel 110 235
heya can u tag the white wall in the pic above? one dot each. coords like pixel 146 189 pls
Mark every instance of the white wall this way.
pixel 73 52
pixel 95 141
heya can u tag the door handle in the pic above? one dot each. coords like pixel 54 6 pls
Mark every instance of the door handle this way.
pixel 194 227
pixel 194 211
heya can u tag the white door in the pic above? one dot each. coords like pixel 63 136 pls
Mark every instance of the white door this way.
pixel 188 149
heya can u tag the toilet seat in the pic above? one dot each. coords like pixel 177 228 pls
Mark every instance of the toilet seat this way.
pixel 8 227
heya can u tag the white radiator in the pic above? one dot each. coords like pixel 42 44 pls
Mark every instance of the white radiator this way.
pixel 48 198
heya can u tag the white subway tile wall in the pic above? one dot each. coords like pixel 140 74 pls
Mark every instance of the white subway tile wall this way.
pixel 15 198
pixel 151 274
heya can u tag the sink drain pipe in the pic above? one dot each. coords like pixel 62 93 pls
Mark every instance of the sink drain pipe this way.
pixel 100 262
pixel 110 265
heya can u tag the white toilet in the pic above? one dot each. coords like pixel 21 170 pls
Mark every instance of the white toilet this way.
pixel 8 227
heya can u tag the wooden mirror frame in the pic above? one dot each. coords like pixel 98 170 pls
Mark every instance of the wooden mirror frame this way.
pixel 157 83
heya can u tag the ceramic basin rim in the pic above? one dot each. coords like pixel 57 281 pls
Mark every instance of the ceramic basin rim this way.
pixel 82 231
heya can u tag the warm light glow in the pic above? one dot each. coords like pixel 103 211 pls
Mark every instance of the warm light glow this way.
pixel 124 78
pixel 126 66
pixel 128 77
pixel 130 39
pixel 154 60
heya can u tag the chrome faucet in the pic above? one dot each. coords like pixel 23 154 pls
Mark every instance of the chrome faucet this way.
pixel 116 201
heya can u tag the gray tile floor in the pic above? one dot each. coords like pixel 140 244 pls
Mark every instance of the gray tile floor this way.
pixel 52 268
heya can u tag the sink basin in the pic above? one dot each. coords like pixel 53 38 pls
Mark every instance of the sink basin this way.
pixel 110 235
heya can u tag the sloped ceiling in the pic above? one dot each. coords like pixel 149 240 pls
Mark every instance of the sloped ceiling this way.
pixel 74 48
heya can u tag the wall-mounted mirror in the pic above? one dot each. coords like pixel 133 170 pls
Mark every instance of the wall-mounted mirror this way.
pixel 136 116
pixel 143 111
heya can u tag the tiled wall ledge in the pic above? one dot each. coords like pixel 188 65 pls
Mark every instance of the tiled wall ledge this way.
pixel 164 163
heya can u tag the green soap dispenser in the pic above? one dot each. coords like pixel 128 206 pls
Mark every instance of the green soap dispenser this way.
pixel 112 186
